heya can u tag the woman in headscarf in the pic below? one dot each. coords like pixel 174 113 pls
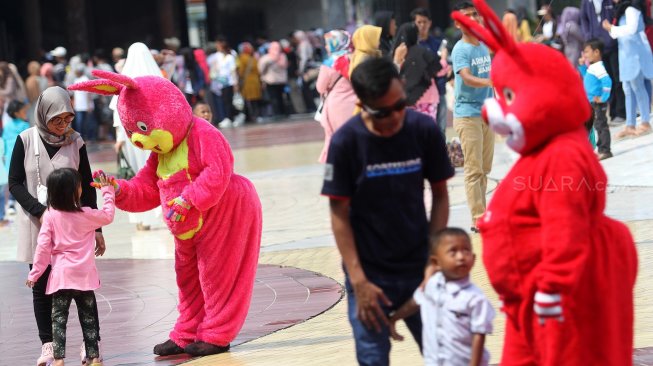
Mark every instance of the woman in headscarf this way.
pixel 39 150
pixel 337 43
pixel 273 68
pixel 336 92
pixel 571 35
pixel 366 41
pixel 386 20
pixel 418 69
pixel 250 80
pixel 139 62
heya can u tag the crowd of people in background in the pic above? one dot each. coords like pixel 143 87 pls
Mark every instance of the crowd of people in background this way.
pixel 365 75
pixel 263 80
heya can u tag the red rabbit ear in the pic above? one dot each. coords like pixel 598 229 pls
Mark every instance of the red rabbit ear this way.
pixel 494 35
pixel 495 26
pixel 98 86
pixel 118 78
pixel 477 30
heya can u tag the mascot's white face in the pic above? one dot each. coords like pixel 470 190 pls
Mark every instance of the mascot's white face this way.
pixel 505 125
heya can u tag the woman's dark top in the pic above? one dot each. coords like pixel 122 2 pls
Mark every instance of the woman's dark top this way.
pixel 17 178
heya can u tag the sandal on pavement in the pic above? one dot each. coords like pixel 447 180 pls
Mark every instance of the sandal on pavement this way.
pixel 627 132
pixel 82 353
pixel 643 129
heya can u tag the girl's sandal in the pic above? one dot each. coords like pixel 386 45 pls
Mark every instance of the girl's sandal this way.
pixel 643 129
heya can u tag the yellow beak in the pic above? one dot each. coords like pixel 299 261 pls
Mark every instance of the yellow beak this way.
pixel 158 141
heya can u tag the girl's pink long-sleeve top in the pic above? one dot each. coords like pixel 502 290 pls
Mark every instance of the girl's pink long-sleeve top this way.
pixel 67 242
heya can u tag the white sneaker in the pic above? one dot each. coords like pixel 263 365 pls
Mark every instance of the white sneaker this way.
pixel 47 355
pixel 10 211
pixel 239 120
pixel 226 123
pixel 82 353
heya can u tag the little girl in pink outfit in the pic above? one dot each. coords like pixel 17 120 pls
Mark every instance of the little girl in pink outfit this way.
pixel 67 241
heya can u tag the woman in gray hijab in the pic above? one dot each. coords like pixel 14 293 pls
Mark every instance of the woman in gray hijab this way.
pixel 39 150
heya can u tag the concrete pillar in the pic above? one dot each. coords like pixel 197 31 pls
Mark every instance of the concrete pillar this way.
pixel 76 26
pixel 32 28
pixel 334 14
pixel 173 20
pixel 441 14
pixel 213 24
pixel 166 15
pixel 529 5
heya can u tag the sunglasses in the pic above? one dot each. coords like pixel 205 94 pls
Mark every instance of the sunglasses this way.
pixel 58 121
pixel 386 111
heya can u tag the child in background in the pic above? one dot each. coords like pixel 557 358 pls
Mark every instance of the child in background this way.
pixel 456 315
pixel 203 111
pixel 17 123
pixel 67 242
pixel 597 84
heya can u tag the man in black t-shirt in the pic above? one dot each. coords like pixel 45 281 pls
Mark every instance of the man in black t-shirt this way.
pixel 374 178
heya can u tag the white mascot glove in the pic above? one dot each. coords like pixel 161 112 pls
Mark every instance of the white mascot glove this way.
pixel 548 306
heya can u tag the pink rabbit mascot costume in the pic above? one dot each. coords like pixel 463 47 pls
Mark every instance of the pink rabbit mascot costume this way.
pixel 564 271
pixel 214 214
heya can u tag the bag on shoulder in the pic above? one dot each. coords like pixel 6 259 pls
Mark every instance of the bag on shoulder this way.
pixel 320 107
pixel 41 190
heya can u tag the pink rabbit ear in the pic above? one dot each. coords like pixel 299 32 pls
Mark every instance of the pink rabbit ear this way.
pixel 494 25
pixel 118 78
pixel 98 86
pixel 477 30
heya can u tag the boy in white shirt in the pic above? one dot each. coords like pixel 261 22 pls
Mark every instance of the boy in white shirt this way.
pixel 455 313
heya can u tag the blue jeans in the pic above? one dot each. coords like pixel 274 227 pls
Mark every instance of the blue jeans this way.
pixel 218 108
pixel 636 95
pixel 373 348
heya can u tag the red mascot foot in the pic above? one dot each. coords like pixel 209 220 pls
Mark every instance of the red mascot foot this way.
pixel 167 348
pixel 204 349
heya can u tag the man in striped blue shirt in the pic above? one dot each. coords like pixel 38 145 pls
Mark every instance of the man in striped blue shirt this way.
pixel 597 84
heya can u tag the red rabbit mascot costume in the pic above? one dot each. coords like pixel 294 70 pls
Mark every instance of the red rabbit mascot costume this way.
pixel 214 214
pixel 564 271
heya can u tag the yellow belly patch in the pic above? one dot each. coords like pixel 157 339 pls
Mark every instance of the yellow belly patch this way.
pixel 174 161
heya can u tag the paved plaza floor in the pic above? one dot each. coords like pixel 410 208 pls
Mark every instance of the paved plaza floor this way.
pixel 298 313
